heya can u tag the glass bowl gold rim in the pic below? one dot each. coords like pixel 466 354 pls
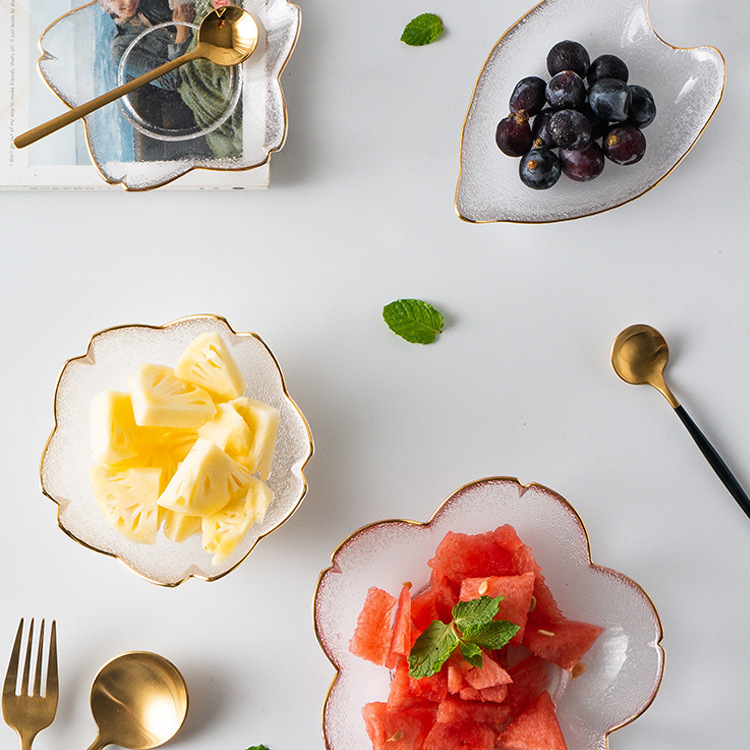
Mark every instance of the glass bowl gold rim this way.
pixel 608 208
pixel 285 118
pixel 221 319
pixel 522 489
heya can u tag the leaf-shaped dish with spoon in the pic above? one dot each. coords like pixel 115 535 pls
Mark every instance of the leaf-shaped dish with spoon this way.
pixel 208 116
pixel 687 85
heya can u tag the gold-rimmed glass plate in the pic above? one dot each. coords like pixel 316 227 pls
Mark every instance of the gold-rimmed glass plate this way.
pixel 623 669
pixel 687 85
pixel 111 356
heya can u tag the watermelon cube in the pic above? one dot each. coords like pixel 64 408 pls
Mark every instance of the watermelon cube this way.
pixel 452 711
pixel 461 556
pixel 397 729
pixel 517 591
pixel 563 642
pixel 496 693
pixel 469 694
pixel 545 606
pixel 490 674
pixel 530 676
pixel 398 693
pixel 433 688
pixel 465 736
pixel 436 602
pixel 536 728
pixel 373 634
pixel 507 538
pixel 401 641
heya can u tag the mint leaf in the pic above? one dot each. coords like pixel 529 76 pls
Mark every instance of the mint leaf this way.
pixel 258 747
pixel 432 649
pixel 471 653
pixel 423 29
pixel 470 617
pixel 495 634
pixel 414 320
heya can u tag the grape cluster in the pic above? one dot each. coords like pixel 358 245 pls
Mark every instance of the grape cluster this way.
pixel 568 125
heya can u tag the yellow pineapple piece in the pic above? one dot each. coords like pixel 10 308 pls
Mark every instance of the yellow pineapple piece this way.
pixel 161 399
pixel 229 431
pixel 114 435
pixel 258 498
pixel 205 481
pixel 263 421
pixel 177 526
pixel 127 498
pixel 166 452
pixel 208 364
pixel 222 532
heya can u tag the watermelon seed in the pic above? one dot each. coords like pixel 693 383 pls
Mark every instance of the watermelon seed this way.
pixel 545 632
pixel 399 735
pixel 532 604
pixel 483 586
pixel 579 669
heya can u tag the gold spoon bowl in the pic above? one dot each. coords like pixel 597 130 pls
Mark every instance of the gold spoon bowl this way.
pixel 139 701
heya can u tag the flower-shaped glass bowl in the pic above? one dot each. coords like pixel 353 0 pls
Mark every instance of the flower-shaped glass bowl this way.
pixel 623 668
pixel 687 85
pixel 112 355
pixel 207 117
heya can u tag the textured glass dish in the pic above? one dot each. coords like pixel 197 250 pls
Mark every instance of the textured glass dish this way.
pixel 623 668
pixel 687 85
pixel 112 355
pixel 240 113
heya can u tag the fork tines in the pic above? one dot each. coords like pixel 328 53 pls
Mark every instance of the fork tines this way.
pixel 11 677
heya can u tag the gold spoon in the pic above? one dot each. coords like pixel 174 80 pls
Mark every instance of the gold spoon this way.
pixel 227 36
pixel 639 356
pixel 139 701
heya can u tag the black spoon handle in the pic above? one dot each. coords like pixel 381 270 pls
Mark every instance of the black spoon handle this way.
pixel 717 464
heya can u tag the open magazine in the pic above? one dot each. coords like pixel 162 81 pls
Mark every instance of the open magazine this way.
pixel 203 126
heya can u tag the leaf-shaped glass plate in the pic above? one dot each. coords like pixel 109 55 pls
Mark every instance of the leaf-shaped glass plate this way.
pixel 687 85
pixel 623 669
pixel 112 355
pixel 218 118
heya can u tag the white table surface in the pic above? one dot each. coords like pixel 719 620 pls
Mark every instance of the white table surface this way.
pixel 360 212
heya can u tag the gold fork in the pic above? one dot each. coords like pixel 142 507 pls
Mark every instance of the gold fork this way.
pixel 29 713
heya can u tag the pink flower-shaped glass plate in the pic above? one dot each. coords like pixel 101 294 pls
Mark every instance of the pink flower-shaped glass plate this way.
pixel 111 356
pixel 687 85
pixel 623 669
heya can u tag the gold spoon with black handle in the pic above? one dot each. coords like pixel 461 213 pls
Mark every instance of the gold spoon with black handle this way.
pixel 639 356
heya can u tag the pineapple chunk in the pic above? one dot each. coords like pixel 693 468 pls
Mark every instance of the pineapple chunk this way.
pixel 178 527
pixel 208 364
pixel 263 421
pixel 114 433
pixel 127 498
pixel 229 431
pixel 223 531
pixel 205 481
pixel 161 399
pixel 166 452
pixel 257 500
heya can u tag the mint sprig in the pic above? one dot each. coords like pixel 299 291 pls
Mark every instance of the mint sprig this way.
pixel 258 747
pixel 472 628
pixel 424 29
pixel 414 320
